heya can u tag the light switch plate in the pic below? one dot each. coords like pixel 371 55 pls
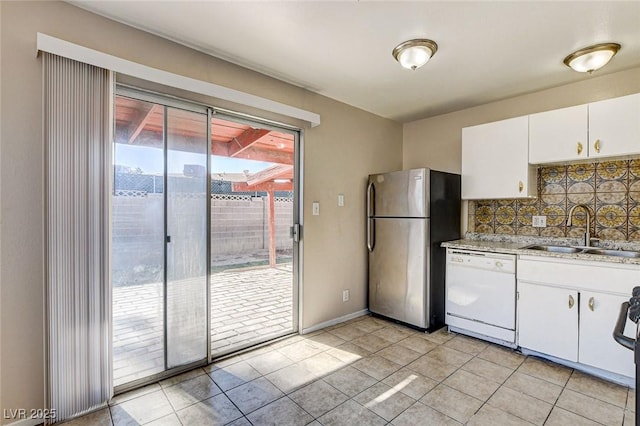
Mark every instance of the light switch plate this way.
pixel 539 221
pixel 316 208
pixel 340 200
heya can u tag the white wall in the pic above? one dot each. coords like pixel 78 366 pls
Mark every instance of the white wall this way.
pixel 339 154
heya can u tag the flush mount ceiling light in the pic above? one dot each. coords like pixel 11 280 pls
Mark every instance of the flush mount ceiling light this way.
pixel 412 54
pixel 591 58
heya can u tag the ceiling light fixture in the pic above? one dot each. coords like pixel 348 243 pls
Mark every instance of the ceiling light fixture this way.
pixel 591 58
pixel 412 54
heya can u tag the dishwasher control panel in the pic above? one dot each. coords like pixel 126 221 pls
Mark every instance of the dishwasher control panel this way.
pixel 483 260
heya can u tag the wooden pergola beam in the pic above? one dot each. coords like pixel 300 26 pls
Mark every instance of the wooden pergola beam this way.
pixel 245 140
pixel 262 187
pixel 271 173
pixel 141 120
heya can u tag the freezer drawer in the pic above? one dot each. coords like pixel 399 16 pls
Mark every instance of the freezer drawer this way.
pixel 398 275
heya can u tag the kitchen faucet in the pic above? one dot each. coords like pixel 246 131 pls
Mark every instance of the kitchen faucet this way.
pixel 587 235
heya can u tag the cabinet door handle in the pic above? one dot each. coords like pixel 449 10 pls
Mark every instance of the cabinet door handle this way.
pixel 591 303
pixel 579 148
pixel 596 145
pixel 571 301
pixel 520 186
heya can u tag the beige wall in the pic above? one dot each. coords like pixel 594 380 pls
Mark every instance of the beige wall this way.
pixel 435 142
pixel 339 154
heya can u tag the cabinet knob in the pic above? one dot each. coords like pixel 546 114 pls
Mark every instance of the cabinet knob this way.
pixel 596 145
pixel 571 301
pixel 520 186
pixel 591 303
pixel 579 148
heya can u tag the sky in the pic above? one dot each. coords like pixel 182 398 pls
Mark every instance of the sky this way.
pixel 150 160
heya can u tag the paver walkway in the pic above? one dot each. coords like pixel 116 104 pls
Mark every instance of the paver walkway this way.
pixel 247 306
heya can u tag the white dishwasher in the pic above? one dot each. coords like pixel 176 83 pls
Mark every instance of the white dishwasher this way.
pixel 481 295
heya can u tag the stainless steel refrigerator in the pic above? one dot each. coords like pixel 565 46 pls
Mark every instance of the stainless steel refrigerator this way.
pixel 409 213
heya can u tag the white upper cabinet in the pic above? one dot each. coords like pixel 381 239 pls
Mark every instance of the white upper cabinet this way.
pixel 495 161
pixel 558 135
pixel 614 127
pixel 609 128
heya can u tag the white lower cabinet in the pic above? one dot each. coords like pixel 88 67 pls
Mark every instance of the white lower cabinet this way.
pixel 568 309
pixel 598 315
pixel 548 320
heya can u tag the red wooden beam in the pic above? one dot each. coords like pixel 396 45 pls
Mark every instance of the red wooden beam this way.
pixel 253 153
pixel 272 228
pixel 144 116
pixel 245 140
pixel 262 187
pixel 271 173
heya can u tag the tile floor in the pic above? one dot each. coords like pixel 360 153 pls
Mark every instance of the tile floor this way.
pixel 373 372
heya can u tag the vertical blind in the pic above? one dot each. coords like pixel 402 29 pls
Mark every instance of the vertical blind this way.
pixel 77 123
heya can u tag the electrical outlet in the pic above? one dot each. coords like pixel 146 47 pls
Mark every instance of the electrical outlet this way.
pixel 315 208
pixel 340 200
pixel 539 221
pixel 345 295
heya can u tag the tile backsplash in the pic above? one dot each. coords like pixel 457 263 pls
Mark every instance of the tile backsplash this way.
pixel 611 190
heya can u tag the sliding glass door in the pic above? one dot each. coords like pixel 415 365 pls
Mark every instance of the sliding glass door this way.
pixel 204 260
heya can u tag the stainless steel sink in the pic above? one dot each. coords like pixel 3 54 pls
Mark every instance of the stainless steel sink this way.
pixel 554 249
pixel 617 253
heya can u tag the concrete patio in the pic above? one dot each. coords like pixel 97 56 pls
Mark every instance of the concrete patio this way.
pixel 247 306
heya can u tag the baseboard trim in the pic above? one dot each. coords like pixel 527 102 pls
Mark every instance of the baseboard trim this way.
pixel 334 321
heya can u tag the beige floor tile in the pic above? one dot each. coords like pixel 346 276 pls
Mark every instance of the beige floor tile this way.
pixel 546 370
pixel 520 405
pixel 534 386
pixel 384 401
pixel 399 354
pixel 439 336
pixel 629 418
pixel 418 344
pixel 234 375
pixel 466 344
pixel 142 409
pixel 410 383
pixel 269 362
pixel 253 395
pixel 349 352
pixel 217 410
pixel 419 414
pixel 242 421
pixel 449 356
pixel 560 417
pixel 350 381
pixel 225 362
pixel 502 356
pixel 631 400
pixel 318 398
pixel 492 416
pixel 598 388
pixel 351 413
pixel 451 402
pixel 591 408
pixel 475 386
pixel 488 370
pixel 182 377
pixel 97 418
pixel 371 342
pixel 348 332
pixel 300 350
pixel 327 339
pixel 432 368
pixel 393 334
pixel 322 364
pixel 369 325
pixel 283 412
pixel 291 378
pixel 134 394
pixel 170 420
pixel 191 391
pixel 376 366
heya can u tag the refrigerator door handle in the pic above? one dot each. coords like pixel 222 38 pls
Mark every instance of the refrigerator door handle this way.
pixel 371 231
